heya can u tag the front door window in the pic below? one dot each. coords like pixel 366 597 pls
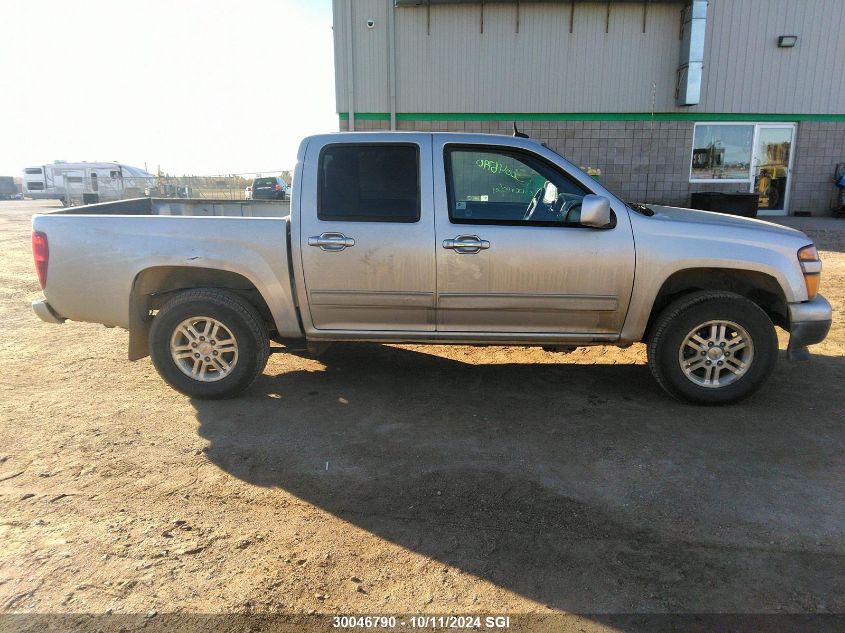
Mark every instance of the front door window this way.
pixel 493 186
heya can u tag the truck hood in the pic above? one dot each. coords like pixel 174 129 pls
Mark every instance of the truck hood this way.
pixel 709 219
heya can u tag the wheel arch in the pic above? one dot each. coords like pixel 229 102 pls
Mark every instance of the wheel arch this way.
pixel 759 287
pixel 155 285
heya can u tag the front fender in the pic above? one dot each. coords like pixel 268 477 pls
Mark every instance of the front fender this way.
pixel 662 252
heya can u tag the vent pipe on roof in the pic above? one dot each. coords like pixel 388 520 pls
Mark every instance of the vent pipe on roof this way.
pixel 688 86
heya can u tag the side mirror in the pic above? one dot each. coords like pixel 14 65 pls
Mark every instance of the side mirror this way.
pixel 595 211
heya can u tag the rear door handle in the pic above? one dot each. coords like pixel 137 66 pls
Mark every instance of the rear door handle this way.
pixel 466 244
pixel 331 241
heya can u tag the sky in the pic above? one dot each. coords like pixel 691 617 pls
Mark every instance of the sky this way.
pixel 192 86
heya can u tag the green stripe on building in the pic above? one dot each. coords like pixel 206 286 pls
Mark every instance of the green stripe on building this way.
pixel 593 116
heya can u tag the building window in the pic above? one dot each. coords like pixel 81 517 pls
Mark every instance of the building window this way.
pixel 722 152
pixel 369 183
pixel 35 186
pixel 32 170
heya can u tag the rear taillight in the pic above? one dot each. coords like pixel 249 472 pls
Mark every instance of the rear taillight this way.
pixel 278 187
pixel 41 253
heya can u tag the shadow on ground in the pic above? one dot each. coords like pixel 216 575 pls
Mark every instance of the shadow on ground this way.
pixel 581 487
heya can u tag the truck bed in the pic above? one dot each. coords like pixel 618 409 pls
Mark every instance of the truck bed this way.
pixel 101 254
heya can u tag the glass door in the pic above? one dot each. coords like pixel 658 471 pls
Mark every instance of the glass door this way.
pixel 772 167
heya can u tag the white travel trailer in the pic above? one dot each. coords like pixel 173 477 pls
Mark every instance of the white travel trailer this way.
pixel 84 183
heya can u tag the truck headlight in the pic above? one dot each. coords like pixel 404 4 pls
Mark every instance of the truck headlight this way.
pixel 811 265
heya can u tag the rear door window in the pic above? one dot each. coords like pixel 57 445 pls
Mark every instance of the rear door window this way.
pixel 373 182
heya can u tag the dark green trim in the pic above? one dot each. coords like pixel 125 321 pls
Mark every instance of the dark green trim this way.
pixel 593 116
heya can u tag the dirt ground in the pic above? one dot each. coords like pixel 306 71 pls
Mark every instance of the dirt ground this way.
pixel 411 479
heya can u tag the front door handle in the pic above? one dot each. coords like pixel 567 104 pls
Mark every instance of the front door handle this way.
pixel 331 241
pixel 466 244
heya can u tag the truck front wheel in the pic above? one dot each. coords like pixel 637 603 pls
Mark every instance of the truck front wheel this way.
pixel 209 343
pixel 712 348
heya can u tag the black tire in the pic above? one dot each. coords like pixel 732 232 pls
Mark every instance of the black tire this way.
pixel 239 317
pixel 669 334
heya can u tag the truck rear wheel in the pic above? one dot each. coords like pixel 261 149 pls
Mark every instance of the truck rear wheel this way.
pixel 209 343
pixel 712 348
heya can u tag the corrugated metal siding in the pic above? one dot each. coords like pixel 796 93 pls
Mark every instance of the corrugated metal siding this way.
pixel 745 70
pixel 340 37
pixel 544 68
pixel 370 54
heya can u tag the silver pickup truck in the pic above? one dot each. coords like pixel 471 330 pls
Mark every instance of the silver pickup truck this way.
pixel 434 238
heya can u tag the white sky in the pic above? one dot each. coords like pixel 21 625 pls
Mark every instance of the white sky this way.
pixel 196 86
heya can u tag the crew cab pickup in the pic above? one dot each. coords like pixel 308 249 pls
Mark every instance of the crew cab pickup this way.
pixel 433 238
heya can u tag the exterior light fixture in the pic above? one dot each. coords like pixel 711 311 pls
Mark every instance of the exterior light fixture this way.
pixel 787 41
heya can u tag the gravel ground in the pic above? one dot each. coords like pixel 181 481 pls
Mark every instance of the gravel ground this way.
pixel 411 479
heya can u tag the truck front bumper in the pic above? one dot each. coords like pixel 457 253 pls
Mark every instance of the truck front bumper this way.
pixel 45 312
pixel 809 323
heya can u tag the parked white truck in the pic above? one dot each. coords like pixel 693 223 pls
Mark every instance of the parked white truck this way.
pixel 434 238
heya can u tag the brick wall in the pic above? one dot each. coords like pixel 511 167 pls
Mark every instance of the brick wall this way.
pixel 649 162
pixel 819 147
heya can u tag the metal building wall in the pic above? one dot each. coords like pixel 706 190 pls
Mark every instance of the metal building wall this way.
pixel 746 72
pixel 446 65
pixel 369 54
pixel 543 68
